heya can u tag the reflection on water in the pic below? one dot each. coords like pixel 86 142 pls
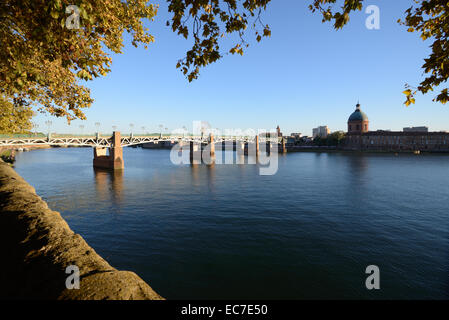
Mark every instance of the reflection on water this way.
pixel 211 176
pixel 359 164
pixel 195 169
pixel 224 231
pixel 109 184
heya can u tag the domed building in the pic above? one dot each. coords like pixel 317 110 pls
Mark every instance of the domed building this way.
pixel 358 121
pixel 359 138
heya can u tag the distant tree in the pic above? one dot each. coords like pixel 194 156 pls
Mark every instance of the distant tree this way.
pixel 336 138
pixel 333 139
pixel 429 18
pixel 15 118
pixel 319 141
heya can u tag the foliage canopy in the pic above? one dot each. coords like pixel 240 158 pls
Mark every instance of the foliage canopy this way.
pixel 429 18
pixel 14 119
pixel 42 61
pixel 334 139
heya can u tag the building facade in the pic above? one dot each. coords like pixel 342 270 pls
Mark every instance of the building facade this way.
pixel 321 132
pixel 358 121
pixel 416 129
pixel 360 138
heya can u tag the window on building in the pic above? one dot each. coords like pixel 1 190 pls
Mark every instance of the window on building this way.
pixel 357 127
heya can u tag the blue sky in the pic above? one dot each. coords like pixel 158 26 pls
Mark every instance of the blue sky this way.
pixel 305 75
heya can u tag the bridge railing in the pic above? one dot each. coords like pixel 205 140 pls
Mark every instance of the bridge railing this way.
pixel 22 135
pixel 106 139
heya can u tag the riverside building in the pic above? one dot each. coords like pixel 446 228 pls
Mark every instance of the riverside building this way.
pixel 360 138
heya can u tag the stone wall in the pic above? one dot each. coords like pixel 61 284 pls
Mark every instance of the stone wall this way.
pixel 37 246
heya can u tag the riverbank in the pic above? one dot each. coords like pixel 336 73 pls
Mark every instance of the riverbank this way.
pixel 8 154
pixel 38 245
pixel 26 147
pixel 292 149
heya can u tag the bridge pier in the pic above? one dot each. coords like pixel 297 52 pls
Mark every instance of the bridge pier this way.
pixel 197 149
pixel 257 145
pixel 240 147
pixel 195 152
pixel 113 160
pixel 253 148
pixel 212 145
pixel 283 147
pixel 268 147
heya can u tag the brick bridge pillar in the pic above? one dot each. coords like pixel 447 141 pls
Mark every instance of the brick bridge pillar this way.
pixel 283 147
pixel 240 147
pixel 113 160
pixel 252 148
pixel 195 152
pixel 257 145
pixel 212 145
pixel 197 149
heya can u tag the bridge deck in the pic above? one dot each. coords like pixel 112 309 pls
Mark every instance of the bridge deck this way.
pixel 92 141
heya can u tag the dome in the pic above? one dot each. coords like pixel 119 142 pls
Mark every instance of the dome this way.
pixel 358 115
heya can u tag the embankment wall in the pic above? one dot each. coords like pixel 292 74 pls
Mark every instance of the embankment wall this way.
pixel 37 246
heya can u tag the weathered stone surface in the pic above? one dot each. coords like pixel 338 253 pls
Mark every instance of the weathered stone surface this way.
pixel 37 246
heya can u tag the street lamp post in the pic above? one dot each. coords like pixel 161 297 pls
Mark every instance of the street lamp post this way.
pixel 97 125
pixel 131 126
pixel 35 126
pixel 48 123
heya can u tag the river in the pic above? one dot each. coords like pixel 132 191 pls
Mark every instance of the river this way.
pixel 224 231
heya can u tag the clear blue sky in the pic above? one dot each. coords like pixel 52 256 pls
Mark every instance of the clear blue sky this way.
pixel 305 75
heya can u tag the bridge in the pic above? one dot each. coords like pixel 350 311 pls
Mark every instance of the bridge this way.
pixel 99 141
pixel 108 152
